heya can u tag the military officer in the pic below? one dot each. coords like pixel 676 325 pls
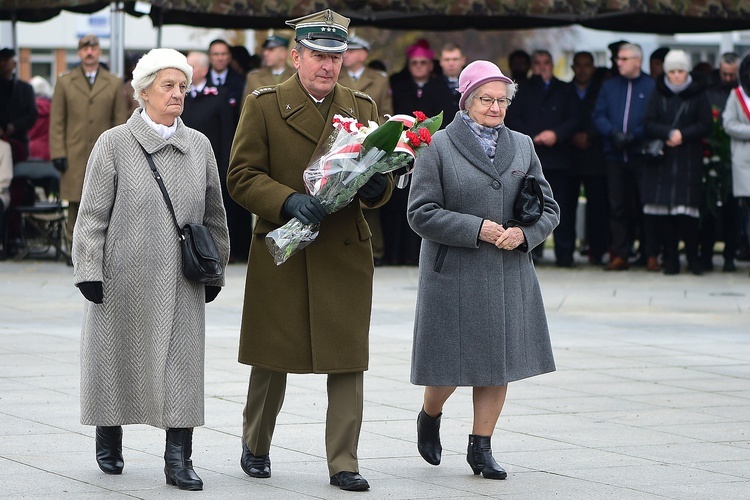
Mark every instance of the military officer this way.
pixel 311 314
pixel 358 76
pixel 87 101
pixel 275 67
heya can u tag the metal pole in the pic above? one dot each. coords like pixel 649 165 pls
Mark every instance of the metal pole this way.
pixel 117 39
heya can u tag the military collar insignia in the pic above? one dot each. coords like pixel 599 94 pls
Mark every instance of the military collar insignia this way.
pixel 288 107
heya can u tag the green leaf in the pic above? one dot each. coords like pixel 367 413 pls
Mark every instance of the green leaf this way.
pixel 433 123
pixel 385 137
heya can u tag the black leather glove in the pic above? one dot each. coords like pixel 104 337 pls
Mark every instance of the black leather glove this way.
pixel 212 292
pixel 60 164
pixel 374 187
pixel 305 208
pixel 92 290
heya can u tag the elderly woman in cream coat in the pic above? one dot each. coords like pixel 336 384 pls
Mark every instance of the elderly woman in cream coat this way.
pixel 143 336
pixel 480 319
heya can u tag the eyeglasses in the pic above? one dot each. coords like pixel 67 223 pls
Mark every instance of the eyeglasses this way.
pixel 626 58
pixel 489 101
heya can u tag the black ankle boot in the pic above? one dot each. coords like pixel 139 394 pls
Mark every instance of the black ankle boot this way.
pixel 428 437
pixel 109 449
pixel 178 468
pixel 481 460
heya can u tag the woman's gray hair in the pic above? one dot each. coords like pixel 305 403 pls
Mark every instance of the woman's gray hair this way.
pixel 141 86
pixel 510 91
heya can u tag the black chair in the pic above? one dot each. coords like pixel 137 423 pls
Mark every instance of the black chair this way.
pixel 38 214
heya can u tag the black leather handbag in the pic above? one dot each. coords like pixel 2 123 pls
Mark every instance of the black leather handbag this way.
pixel 529 203
pixel 653 149
pixel 200 257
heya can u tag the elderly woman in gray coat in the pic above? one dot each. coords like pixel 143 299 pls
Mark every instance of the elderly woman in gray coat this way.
pixel 143 335
pixel 480 319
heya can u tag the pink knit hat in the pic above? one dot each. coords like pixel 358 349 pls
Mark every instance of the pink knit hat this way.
pixel 475 75
pixel 421 48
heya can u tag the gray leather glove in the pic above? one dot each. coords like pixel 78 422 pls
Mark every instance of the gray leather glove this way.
pixel 305 208
pixel 374 187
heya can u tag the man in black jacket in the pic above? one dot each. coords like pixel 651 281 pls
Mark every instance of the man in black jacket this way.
pixel 222 74
pixel 546 110
pixel 17 107
pixel 208 110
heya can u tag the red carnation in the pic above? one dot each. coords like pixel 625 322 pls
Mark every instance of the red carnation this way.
pixel 413 139
pixel 425 135
pixel 420 116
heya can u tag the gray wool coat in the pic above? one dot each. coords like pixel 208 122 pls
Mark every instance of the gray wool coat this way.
pixel 480 319
pixel 142 349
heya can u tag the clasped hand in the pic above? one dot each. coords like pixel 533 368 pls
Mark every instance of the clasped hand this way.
pixel 504 239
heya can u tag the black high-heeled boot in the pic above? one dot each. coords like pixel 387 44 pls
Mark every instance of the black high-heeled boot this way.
pixel 178 468
pixel 480 458
pixel 428 437
pixel 109 449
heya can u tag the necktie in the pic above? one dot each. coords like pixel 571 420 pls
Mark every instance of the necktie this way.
pixel 91 78
pixel 218 81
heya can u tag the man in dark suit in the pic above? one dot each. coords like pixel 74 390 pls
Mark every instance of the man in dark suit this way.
pixel 207 109
pixel 546 110
pixel 222 74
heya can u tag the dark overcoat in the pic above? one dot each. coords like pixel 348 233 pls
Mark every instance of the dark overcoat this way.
pixel 480 318
pixel 678 179
pixel 311 313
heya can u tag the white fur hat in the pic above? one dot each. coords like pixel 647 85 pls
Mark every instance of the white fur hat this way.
pixel 676 59
pixel 158 59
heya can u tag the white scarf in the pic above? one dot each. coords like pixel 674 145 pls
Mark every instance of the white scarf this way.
pixel 164 131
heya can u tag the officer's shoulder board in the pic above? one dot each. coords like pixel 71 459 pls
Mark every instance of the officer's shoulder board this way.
pixel 263 90
pixel 362 95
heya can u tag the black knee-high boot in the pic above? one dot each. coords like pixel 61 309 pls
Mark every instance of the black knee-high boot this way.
pixel 109 449
pixel 428 437
pixel 178 468
pixel 481 460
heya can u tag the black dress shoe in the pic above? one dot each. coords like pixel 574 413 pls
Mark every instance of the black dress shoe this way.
pixel 253 466
pixel 350 481
pixel 729 266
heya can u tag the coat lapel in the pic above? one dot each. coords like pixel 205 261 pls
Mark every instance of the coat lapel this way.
pixel 151 141
pixel 298 109
pixel 505 151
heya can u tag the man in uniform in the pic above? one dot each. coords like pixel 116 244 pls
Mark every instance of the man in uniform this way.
pixel 87 101
pixel 275 68
pixel 310 314
pixel 357 76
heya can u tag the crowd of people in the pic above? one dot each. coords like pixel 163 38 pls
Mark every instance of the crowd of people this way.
pixel 230 141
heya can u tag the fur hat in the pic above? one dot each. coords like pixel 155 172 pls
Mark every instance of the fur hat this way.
pixel 676 59
pixel 475 75
pixel 158 59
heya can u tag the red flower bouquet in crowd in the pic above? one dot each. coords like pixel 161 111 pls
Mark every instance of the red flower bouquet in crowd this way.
pixel 353 153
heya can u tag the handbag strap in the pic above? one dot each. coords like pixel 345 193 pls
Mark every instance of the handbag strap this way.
pixel 676 117
pixel 163 189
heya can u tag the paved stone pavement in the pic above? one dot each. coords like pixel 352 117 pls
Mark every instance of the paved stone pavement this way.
pixel 651 399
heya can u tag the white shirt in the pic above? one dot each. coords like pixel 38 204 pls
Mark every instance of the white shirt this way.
pixel 219 78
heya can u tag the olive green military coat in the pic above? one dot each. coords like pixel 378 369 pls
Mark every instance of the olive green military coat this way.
pixel 374 84
pixel 80 113
pixel 311 313
pixel 264 77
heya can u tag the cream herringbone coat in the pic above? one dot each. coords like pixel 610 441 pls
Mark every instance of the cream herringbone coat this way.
pixel 142 349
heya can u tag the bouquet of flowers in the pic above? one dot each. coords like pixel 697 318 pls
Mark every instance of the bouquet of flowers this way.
pixel 717 166
pixel 353 153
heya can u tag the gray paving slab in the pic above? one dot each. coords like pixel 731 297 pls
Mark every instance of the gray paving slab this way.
pixel 651 399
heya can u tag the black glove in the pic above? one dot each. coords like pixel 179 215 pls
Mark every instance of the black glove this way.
pixel 621 140
pixel 305 208
pixel 374 187
pixel 92 290
pixel 60 164
pixel 212 292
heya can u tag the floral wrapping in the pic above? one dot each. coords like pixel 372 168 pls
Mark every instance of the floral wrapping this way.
pixel 353 154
